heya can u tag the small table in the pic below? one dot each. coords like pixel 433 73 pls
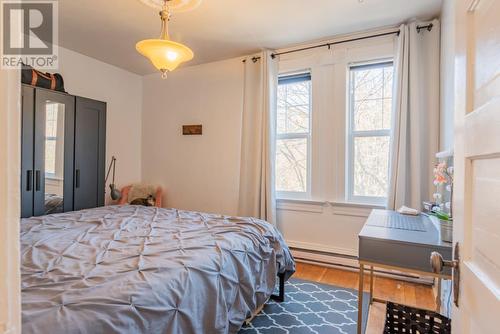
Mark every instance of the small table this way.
pixel 394 241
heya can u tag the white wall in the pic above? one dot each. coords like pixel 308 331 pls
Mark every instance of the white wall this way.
pixel 324 221
pixel 322 226
pixel 196 172
pixel 202 172
pixel 447 75
pixel 122 91
pixel 10 169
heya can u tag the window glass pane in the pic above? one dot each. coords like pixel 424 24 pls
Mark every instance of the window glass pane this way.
pixel 388 76
pixel 51 120
pixel 291 165
pixel 368 115
pixel 371 166
pixel 372 97
pixel 294 107
pixel 50 156
pixel 368 83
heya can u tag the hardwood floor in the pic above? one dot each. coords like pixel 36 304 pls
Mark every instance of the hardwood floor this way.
pixel 411 294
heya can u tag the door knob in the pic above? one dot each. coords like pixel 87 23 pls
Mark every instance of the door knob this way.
pixel 438 264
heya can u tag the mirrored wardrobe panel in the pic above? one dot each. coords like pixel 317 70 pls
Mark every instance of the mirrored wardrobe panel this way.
pixel 47 152
pixel 54 157
pixel 54 129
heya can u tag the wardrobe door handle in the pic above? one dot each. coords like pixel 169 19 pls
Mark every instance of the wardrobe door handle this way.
pixel 37 180
pixel 29 180
pixel 77 178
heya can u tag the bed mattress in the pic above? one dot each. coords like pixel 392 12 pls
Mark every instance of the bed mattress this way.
pixel 134 269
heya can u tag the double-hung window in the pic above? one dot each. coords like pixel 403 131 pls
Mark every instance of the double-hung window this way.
pixel 369 131
pixel 293 136
pixel 51 125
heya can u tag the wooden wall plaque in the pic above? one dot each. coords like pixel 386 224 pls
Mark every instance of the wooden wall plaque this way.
pixel 189 130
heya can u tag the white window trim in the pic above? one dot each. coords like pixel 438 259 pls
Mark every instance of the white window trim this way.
pixel 300 195
pixel 351 134
pixel 330 94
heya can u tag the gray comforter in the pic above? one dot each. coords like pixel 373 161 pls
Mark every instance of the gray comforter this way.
pixel 133 269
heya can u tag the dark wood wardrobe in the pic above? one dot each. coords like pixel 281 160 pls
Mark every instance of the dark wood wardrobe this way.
pixel 63 142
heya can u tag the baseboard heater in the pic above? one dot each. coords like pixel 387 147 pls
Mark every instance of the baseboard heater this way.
pixel 349 262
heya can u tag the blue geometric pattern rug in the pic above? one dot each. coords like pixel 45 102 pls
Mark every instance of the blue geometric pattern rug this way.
pixel 310 308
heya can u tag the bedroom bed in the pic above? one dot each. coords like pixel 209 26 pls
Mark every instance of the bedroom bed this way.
pixel 53 203
pixel 134 269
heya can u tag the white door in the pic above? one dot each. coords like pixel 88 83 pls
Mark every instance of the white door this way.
pixel 477 165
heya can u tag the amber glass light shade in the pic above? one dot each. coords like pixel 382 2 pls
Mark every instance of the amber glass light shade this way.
pixel 165 55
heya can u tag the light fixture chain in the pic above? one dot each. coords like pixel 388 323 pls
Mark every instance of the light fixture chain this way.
pixel 165 18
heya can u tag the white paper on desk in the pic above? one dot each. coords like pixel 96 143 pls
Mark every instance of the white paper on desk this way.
pixel 408 211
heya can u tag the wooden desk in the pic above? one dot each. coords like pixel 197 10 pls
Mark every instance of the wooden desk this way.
pixel 393 241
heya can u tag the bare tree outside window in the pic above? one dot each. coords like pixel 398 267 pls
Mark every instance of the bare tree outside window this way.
pixel 293 133
pixel 369 131
pixel 51 138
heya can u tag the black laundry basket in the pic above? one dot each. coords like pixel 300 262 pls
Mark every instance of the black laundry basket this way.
pixel 405 319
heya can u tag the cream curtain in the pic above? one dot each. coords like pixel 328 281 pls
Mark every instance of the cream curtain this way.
pixel 256 194
pixel 415 139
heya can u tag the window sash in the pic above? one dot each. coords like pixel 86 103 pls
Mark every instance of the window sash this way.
pixel 378 200
pixel 51 139
pixel 293 135
pixel 352 134
pixel 371 133
pixel 291 79
pixel 283 194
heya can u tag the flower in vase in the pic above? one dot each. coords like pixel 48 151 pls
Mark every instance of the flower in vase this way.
pixel 439 179
pixel 441 173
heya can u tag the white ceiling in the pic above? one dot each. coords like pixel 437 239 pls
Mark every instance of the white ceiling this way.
pixel 219 29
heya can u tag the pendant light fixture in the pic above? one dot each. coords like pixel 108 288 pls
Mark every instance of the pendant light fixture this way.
pixel 165 54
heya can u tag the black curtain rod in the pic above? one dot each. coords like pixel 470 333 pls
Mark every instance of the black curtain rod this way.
pixel 428 27
pixel 329 45
pixel 254 59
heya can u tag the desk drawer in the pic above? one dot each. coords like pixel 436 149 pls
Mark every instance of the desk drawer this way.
pixel 404 255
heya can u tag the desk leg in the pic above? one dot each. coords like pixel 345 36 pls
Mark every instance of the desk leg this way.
pixel 438 296
pixel 360 297
pixel 371 285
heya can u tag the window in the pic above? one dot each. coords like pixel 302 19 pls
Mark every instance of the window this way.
pixel 51 138
pixel 369 131
pixel 293 131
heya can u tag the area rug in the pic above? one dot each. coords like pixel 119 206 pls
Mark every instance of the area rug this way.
pixel 310 308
